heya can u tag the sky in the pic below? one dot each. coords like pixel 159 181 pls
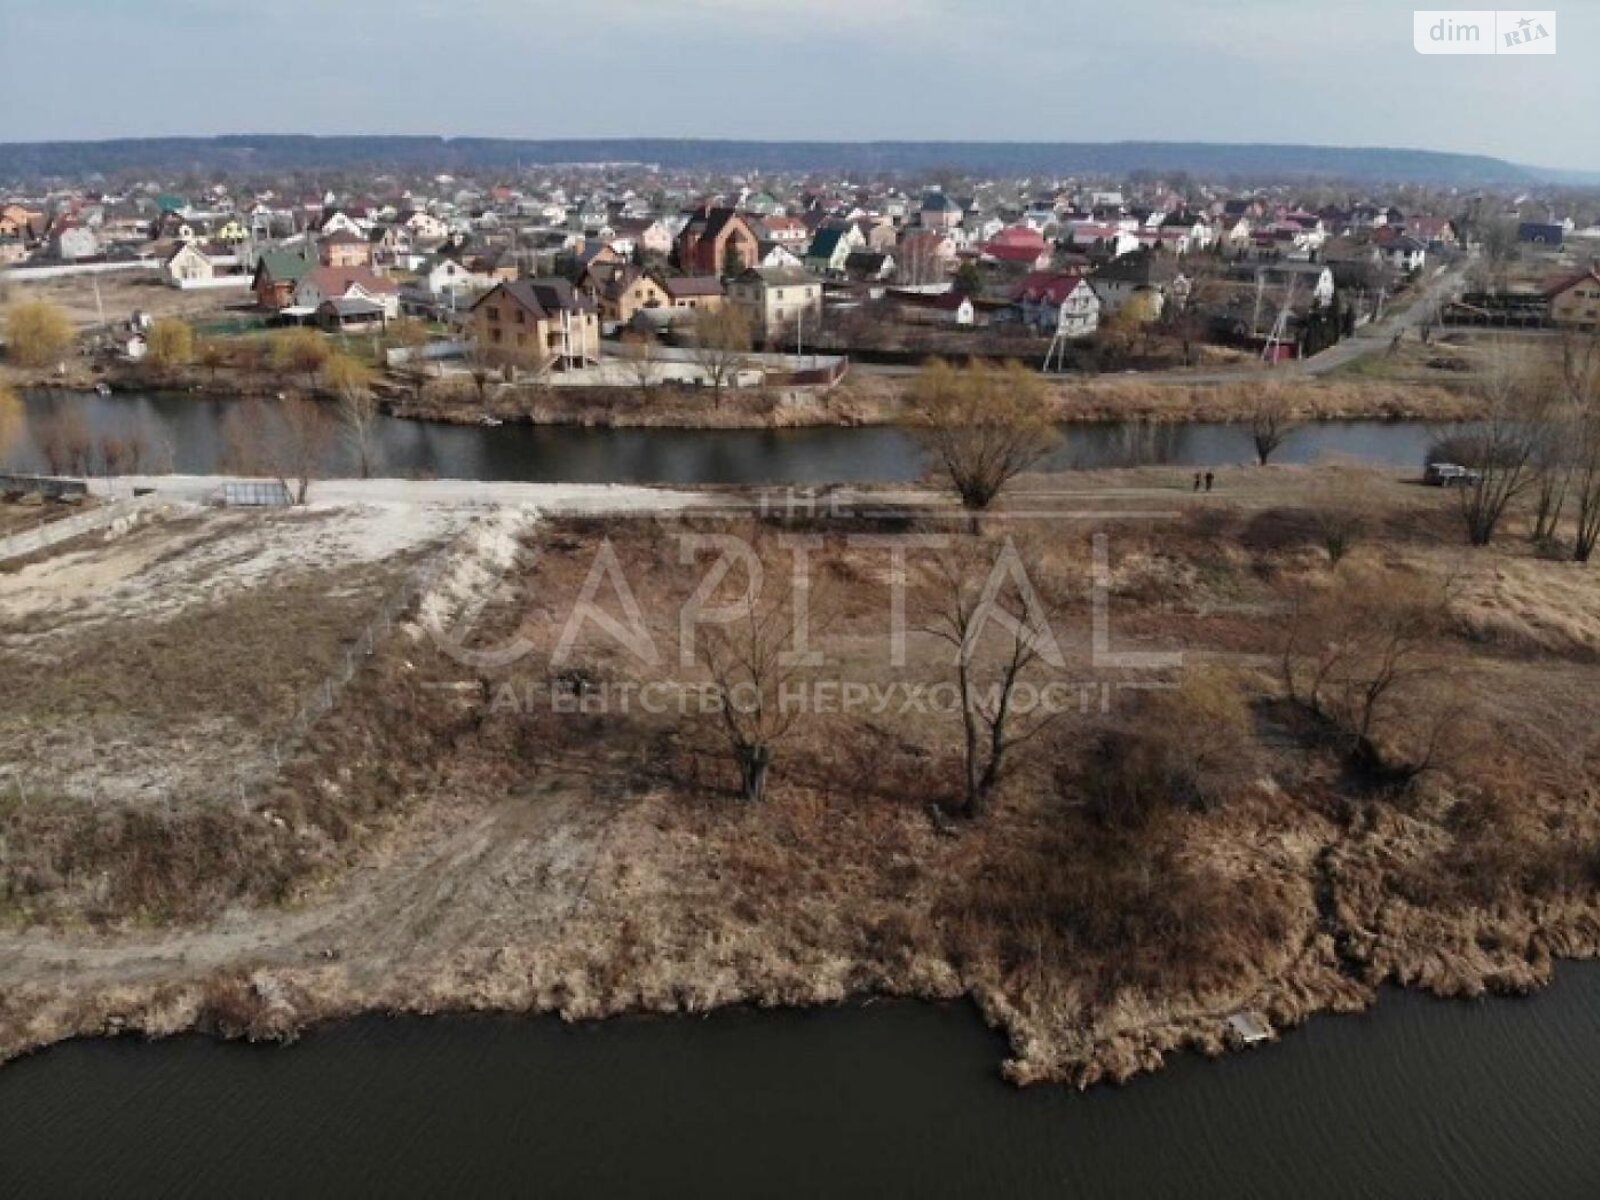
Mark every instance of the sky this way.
pixel 1329 72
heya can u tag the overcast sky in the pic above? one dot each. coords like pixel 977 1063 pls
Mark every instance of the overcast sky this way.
pixel 1331 72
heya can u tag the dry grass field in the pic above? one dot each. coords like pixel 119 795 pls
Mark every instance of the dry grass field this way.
pixel 483 823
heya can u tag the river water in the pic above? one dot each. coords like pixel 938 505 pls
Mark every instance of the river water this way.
pixel 186 434
pixel 1419 1098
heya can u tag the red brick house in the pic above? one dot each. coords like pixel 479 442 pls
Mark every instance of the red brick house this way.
pixel 711 238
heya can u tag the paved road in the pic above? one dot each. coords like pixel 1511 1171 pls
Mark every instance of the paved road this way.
pixel 1368 340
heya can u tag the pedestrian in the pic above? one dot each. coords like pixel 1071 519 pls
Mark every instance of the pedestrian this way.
pixel 1197 481
pixel 1210 479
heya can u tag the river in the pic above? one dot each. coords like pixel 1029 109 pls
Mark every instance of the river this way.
pixel 186 434
pixel 1419 1098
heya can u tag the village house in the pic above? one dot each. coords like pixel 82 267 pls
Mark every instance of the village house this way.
pixel 1575 300
pixel 775 255
pixel 425 227
pixel 71 243
pixel 1140 274
pixel 19 222
pixel 622 291
pixel 1110 239
pixel 443 276
pixel 188 264
pixel 925 259
pixel 278 273
pixel 343 248
pixel 790 232
pixel 643 235
pixel 777 300
pixel 940 212
pixel 1062 302
pixel 540 322
pixel 1434 232
pixel 350 314
pixel 716 241
pixel 868 266
pixel 1404 254
pixel 694 293
pixel 831 249
pixel 347 283
pixel 1019 246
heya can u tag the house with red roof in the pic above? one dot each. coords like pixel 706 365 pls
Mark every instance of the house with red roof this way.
pixel 1575 299
pixel 1021 246
pixel 1052 301
pixel 347 283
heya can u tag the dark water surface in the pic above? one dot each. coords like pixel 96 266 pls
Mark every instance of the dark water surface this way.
pixel 1420 1098
pixel 185 434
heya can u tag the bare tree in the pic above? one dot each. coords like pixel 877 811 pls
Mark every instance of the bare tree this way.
pixel 1341 512
pixel 1353 656
pixel 286 441
pixel 212 354
pixel 351 381
pixel 1581 380
pixel 983 425
pixel 722 343
pixel 751 668
pixel 1502 448
pixel 1271 421
pixel 999 630
pixel 485 363
pixel 639 355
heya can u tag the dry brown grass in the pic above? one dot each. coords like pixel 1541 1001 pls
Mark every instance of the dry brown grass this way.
pixel 598 862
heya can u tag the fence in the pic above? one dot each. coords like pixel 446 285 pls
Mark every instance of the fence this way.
pixel 254 494
pixel 33 540
pixel 67 270
pixel 52 486
pixel 319 700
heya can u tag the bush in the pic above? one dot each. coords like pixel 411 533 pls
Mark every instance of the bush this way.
pixel 38 333
pixel 1193 748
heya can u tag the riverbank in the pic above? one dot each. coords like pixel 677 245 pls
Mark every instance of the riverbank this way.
pixel 862 399
pixel 447 840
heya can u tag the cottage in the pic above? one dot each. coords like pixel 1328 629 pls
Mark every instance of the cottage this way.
pixel 716 241
pixel 278 272
pixel 353 313
pixel 1058 302
pixel 1539 233
pixel 342 248
pixel 188 264
pixel 1404 254
pixel 622 292
pixel 1575 300
pixel 940 212
pixel 777 300
pixel 539 321
pixel 1019 246
pixel 1132 276
pixel 644 236
pixel 72 242
pixel 831 249
pixel 694 292
pixel 350 283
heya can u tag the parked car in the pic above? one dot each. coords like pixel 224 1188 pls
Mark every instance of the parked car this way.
pixel 1441 474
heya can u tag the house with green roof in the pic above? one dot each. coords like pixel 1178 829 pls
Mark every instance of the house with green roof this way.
pixel 279 272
